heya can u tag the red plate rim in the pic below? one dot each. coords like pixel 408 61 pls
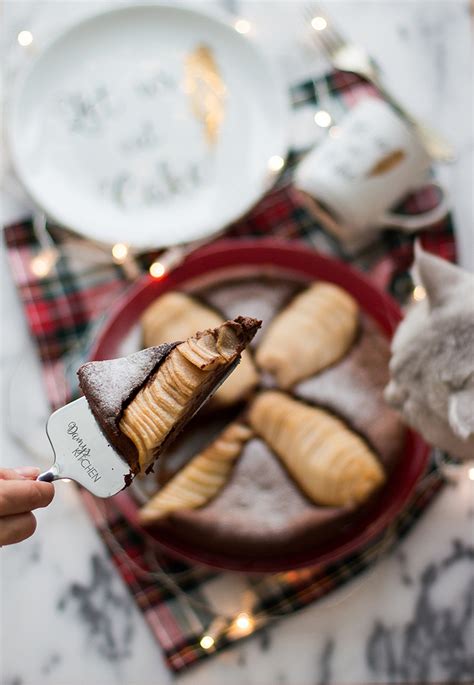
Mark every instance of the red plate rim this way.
pixel 306 263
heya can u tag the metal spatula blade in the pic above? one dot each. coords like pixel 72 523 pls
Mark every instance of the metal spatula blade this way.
pixel 82 452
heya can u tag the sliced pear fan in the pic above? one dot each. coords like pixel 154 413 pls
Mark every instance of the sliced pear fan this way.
pixel 201 479
pixel 330 463
pixel 176 316
pixel 186 377
pixel 315 330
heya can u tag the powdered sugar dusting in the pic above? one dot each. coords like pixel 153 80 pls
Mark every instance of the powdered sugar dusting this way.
pixel 353 389
pixel 261 496
pixel 112 382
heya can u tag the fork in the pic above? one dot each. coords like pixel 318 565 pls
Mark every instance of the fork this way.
pixel 346 56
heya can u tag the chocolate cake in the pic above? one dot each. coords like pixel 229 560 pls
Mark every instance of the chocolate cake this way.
pixel 262 509
pixel 142 401
pixel 261 512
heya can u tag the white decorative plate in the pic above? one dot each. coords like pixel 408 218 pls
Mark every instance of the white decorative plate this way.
pixel 149 125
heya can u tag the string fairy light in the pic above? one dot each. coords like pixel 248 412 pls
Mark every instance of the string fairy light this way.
pixel 319 23
pixel 419 293
pixel 43 262
pixel 40 266
pixel 213 633
pixel 276 163
pixel 242 26
pixel 25 38
pixel 243 624
pixel 322 118
pixel 157 270
pixel 207 642
pixel 120 252
pixel 123 256
pixel 470 473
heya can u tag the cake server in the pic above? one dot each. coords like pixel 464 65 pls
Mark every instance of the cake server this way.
pixel 83 453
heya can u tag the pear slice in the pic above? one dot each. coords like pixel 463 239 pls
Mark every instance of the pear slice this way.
pixel 202 478
pixel 330 463
pixel 183 381
pixel 176 316
pixel 314 331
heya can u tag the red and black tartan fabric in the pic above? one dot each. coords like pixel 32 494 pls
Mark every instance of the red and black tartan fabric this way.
pixel 63 311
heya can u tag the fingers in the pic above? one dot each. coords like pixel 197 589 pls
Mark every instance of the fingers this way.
pixel 27 471
pixel 16 528
pixel 20 472
pixel 20 496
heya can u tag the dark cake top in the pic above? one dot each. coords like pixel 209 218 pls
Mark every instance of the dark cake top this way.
pixel 110 385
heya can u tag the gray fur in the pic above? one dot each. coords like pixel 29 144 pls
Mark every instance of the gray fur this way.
pixel 432 365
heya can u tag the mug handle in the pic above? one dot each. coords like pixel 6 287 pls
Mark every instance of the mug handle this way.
pixel 418 221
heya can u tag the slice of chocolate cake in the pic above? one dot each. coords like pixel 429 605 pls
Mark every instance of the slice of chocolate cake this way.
pixel 142 401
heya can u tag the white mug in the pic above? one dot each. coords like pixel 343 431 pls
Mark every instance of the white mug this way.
pixel 364 168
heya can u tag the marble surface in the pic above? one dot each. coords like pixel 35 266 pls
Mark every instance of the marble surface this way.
pixel 66 616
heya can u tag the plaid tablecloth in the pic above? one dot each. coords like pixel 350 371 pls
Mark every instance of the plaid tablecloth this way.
pixel 64 309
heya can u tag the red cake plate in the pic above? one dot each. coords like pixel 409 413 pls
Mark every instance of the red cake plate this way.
pixel 221 261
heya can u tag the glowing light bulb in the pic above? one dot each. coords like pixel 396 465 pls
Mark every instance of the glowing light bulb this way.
pixel 322 118
pixel 319 23
pixel 470 473
pixel 25 38
pixel 335 132
pixel 276 163
pixel 42 264
pixel 419 293
pixel 207 641
pixel 120 252
pixel 244 622
pixel 157 270
pixel 242 26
